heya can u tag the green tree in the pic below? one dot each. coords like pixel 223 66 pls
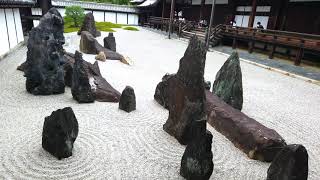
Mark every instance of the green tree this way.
pixel 75 14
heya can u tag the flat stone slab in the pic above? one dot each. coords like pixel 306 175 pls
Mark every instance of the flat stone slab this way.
pixel 253 138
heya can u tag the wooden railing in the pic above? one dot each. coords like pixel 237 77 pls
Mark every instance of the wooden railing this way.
pixel 275 38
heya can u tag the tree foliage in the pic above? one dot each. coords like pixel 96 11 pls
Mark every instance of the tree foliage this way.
pixel 75 14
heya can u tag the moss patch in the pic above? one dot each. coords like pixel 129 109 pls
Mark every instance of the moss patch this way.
pixel 130 28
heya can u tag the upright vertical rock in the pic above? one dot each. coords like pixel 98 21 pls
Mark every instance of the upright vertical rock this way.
pixel 161 94
pixel 82 83
pixel 291 163
pixel 228 82
pixel 127 100
pixel 185 92
pixel 196 162
pixel 109 42
pixel 43 70
pixel 60 130
pixel 89 25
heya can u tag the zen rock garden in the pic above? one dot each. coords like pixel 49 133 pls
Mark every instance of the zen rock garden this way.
pixel 191 101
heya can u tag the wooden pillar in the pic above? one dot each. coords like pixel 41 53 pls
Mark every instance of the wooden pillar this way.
pixel 253 13
pixel 234 43
pixel 210 24
pixel 201 9
pixel 163 11
pixel 45 5
pixel 285 6
pixel 171 18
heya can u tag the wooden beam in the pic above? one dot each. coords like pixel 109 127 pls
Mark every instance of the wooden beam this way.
pixel 201 9
pixel 163 11
pixel 253 13
pixel 211 22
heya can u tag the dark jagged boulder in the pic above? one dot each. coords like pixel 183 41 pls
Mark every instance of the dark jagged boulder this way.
pixel 207 85
pixel 196 162
pixel 68 68
pixel 89 45
pixel 22 66
pixel 60 130
pixel 228 82
pixel 161 94
pixel 44 70
pixel 89 25
pixel 185 92
pixel 89 85
pixel 109 42
pixel 127 100
pixel 82 85
pixel 291 163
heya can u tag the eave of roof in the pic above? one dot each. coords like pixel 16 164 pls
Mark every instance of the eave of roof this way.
pixel 17 3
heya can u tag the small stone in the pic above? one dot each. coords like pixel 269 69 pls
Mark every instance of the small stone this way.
pixel 207 85
pixel 291 163
pixel 228 82
pixel 127 100
pixel 89 25
pixel 109 42
pixel 60 130
pixel 196 162
pixel 101 56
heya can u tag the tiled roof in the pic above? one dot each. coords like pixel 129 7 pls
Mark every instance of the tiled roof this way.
pixel 17 2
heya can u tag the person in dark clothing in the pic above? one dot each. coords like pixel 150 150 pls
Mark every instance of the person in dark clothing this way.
pixel 259 26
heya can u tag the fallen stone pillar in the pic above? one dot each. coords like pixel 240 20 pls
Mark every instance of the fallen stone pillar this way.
pixel 254 139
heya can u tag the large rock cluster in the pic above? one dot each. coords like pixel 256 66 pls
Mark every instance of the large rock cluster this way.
pixel 183 93
pixel 228 83
pixel 60 130
pixel 89 25
pixel 89 45
pixel 88 84
pixel 43 69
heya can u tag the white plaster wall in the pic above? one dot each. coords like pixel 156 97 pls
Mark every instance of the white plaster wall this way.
pixel 133 19
pixel 263 19
pixel 121 18
pixel 98 16
pixel 241 20
pixel 110 17
pixel 4 47
pixel 18 25
pixel 11 28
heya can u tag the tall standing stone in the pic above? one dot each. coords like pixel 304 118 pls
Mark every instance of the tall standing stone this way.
pixel 228 82
pixel 291 163
pixel 109 42
pixel 44 70
pixel 60 130
pixel 89 25
pixel 196 162
pixel 185 91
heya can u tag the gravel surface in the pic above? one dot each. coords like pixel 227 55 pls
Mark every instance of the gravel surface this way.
pixel 113 144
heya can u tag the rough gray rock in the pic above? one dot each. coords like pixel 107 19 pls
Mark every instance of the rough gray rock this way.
pixel 89 85
pixel 60 130
pixel 291 163
pixel 228 82
pixel 109 42
pixel 207 85
pixel 196 162
pixel 44 70
pixel 68 68
pixel 185 92
pixel 89 25
pixel 161 94
pixel 127 100
pixel 89 45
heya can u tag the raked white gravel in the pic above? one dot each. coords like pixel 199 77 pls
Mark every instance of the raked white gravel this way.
pixel 113 144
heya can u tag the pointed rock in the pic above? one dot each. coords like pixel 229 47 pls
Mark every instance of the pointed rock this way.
pixel 185 91
pixel 291 163
pixel 196 163
pixel 89 25
pixel 60 130
pixel 127 100
pixel 43 70
pixel 228 82
pixel 109 42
